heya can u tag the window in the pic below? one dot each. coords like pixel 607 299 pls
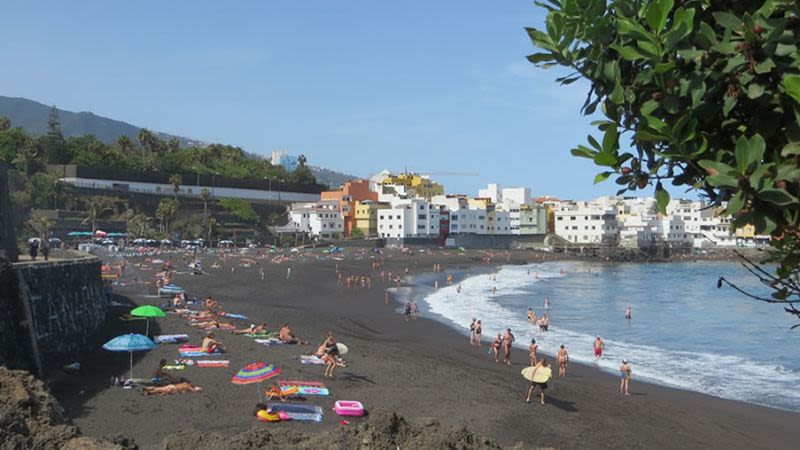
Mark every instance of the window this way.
pixel 381 217
pixel 454 218
pixel 421 217
pixel 391 226
pixel 398 217
pixel 571 217
pixel 420 227
pixel 559 218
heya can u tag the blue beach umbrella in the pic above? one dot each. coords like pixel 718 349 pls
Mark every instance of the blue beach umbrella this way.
pixel 130 343
pixel 75 233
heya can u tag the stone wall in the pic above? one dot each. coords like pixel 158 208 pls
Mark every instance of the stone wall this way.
pixel 52 316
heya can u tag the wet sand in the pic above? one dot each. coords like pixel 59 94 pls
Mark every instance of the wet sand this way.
pixel 417 368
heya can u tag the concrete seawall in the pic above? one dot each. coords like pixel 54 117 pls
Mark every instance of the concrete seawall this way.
pixel 49 312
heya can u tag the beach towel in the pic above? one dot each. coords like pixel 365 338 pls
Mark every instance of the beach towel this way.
pixel 304 387
pixel 311 360
pixel 271 334
pixel 174 367
pixel 234 316
pixel 170 338
pixel 212 363
pixel 190 350
pixel 269 342
pixel 298 412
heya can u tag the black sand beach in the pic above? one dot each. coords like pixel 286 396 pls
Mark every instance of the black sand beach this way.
pixel 417 369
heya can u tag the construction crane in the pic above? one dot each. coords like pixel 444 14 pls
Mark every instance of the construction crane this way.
pixel 443 174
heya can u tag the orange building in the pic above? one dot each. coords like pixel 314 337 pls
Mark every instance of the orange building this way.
pixel 351 192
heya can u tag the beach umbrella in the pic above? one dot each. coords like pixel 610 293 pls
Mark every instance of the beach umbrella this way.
pixel 256 373
pixel 148 311
pixel 100 233
pixel 75 233
pixel 130 343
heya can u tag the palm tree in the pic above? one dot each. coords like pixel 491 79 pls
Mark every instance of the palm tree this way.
pixel 124 143
pixel 175 180
pixel 96 207
pixel 212 224
pixel 166 212
pixel 205 196
pixel 40 223
pixel 301 160
pixel 139 224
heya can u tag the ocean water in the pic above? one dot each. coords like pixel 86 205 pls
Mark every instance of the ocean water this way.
pixel 684 332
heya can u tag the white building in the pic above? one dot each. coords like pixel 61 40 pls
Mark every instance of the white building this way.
pixel 587 223
pixel 463 218
pixel 410 218
pixel 493 192
pixel 319 219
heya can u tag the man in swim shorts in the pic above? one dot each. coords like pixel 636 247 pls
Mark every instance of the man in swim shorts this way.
pixel 508 339
pixel 599 345
pixel 563 359
pixel 542 385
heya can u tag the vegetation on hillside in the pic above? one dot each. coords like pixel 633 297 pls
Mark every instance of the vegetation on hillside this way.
pixel 34 188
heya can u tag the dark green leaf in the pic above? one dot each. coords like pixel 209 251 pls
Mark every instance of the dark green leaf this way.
pixel 765 66
pixel 717 168
pixel 791 84
pixel 583 152
pixel 735 204
pixel 755 90
pixel 705 36
pixel 682 25
pixel 785 49
pixel 722 181
pixel 657 13
pixel 728 104
pixel 791 149
pixel 777 196
pixel 662 199
pixel 610 141
pixel 603 176
pixel 605 159
pixel 537 58
pixel 728 20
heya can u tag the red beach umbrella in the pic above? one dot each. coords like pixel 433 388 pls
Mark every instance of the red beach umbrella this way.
pixel 256 373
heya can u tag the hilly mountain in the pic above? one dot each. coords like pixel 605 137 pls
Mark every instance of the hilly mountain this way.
pixel 32 116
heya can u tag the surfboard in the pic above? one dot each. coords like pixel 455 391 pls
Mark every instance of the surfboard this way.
pixel 342 348
pixel 542 375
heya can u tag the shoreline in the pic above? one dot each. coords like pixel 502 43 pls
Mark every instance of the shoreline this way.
pixel 419 368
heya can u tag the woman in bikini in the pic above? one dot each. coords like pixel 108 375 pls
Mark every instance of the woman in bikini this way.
pixel 563 359
pixel 533 348
pixel 478 330
pixel 498 341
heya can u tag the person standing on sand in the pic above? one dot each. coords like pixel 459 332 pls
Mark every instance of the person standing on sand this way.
pixel 436 285
pixel 532 349
pixel 542 385
pixel 478 331
pixel 563 359
pixel 261 272
pixel 624 377
pixel 628 312
pixel 472 332
pixel 508 339
pixel 599 345
pixel 414 310
pixel 288 272
pixel 498 341
pixel 407 310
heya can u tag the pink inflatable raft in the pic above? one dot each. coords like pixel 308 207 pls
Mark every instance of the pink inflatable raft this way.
pixel 348 408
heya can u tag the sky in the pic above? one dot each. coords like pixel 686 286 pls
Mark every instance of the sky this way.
pixel 438 87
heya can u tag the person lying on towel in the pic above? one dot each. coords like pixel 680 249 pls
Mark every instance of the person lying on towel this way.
pixel 170 389
pixel 252 329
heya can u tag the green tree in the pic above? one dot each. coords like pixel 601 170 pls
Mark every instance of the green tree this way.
pixel 242 209
pixel 40 223
pixel 5 123
pixel 97 207
pixel 698 93
pixel 139 224
pixel 166 212
pixel 205 196
pixel 175 181
pixel 357 233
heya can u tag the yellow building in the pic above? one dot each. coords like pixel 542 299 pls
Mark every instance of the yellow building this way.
pixel 421 185
pixel 746 232
pixel 367 216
